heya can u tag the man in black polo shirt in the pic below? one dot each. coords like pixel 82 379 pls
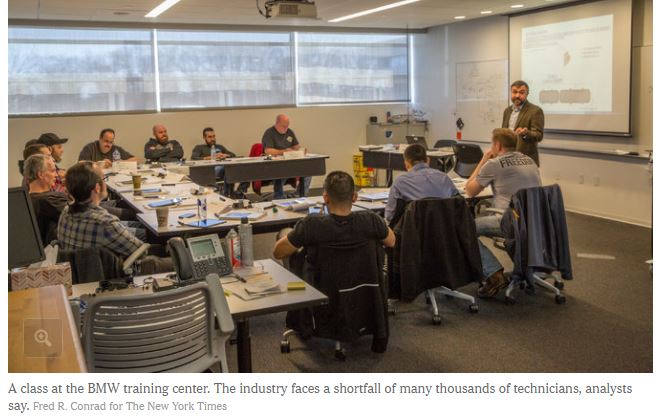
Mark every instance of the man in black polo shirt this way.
pixel 160 148
pixel 104 150
pixel 340 225
pixel 203 152
pixel 277 140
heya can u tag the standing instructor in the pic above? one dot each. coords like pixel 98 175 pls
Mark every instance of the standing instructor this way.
pixel 525 119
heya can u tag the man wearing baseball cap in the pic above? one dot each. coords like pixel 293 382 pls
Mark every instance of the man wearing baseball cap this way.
pixel 54 143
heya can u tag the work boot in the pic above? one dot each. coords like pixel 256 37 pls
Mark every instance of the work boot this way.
pixel 494 283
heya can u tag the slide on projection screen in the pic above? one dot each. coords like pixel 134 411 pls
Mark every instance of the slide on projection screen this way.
pixel 577 61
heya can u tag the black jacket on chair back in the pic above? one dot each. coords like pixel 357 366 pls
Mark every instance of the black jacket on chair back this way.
pixel 436 246
pixel 351 275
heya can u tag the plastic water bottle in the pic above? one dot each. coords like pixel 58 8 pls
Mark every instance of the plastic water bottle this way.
pixel 234 246
pixel 213 152
pixel 202 207
pixel 245 236
pixel 116 157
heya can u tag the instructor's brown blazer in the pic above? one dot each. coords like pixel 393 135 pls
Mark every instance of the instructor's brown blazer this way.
pixel 531 117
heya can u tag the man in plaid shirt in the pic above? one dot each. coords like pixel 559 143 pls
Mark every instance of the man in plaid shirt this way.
pixel 85 224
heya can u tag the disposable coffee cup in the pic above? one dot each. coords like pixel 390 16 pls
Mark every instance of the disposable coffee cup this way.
pixel 162 216
pixel 137 184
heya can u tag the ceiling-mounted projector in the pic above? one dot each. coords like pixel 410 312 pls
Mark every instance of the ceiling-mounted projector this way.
pixel 299 9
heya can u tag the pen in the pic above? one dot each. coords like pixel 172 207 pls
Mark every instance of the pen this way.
pixel 222 198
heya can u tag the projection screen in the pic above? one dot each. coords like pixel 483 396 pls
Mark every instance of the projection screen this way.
pixel 577 61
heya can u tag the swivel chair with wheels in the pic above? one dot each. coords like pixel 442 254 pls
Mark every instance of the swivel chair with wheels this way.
pixel 100 264
pixel 444 143
pixel 351 275
pixel 446 164
pixel 467 157
pixel 536 239
pixel 256 150
pixel 436 252
pixel 180 330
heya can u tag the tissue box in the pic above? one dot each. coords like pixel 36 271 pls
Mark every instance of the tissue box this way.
pixel 42 276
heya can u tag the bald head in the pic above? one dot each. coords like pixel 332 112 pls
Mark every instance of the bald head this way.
pixel 282 123
pixel 160 133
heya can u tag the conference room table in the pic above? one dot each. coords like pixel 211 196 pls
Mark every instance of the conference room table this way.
pixel 248 169
pixel 393 159
pixel 272 216
pixel 241 310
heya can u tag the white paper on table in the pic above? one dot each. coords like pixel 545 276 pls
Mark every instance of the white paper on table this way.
pixel 294 154
pixel 120 177
pixel 373 196
pixel 126 165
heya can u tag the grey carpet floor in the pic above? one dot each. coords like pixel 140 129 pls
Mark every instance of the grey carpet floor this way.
pixel 605 325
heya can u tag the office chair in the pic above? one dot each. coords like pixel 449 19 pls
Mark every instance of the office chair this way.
pixel 256 150
pixel 444 143
pixel 446 164
pixel 351 275
pixel 436 252
pixel 98 264
pixel 467 157
pixel 180 330
pixel 537 241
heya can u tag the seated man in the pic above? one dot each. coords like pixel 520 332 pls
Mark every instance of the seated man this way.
pixel 160 148
pixel 420 181
pixel 85 224
pixel 48 204
pixel 340 225
pixel 203 152
pixel 340 228
pixel 277 140
pixel 54 143
pixel 507 171
pixel 32 148
pixel 103 150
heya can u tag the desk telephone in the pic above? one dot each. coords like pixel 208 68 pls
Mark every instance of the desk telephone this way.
pixel 205 254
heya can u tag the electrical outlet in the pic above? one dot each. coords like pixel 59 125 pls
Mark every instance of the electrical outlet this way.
pixel 556 175
pixel 595 181
pixel 581 179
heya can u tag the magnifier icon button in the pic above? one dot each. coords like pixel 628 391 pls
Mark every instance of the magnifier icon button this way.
pixel 41 336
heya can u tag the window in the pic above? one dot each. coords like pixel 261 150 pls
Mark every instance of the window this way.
pixel 83 70
pixel 224 69
pixel 79 70
pixel 341 68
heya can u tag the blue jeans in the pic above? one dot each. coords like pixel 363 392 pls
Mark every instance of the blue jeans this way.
pixel 228 188
pixel 279 187
pixel 488 226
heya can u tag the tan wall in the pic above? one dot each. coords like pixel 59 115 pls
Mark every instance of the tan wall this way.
pixel 333 130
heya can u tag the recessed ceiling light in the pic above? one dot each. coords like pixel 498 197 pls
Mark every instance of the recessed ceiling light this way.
pixel 375 10
pixel 516 6
pixel 486 12
pixel 459 17
pixel 161 8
